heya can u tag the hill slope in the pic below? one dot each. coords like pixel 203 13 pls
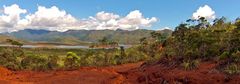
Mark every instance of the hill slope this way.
pixel 3 39
pixel 82 36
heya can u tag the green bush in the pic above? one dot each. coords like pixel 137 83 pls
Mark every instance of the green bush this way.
pixel 72 61
pixel 236 56
pixel 35 62
pixel 224 55
pixel 90 60
pixel 11 58
pixel 53 62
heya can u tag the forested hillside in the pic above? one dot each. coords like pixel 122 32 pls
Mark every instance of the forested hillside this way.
pixel 81 36
pixel 197 41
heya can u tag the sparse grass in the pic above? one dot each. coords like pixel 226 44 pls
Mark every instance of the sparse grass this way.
pixel 232 69
pixel 189 65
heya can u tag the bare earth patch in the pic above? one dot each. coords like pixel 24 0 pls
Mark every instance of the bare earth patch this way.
pixel 133 73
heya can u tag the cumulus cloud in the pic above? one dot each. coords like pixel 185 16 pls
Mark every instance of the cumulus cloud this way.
pixel 10 17
pixel 165 28
pixel 134 20
pixel 55 19
pixel 103 16
pixel 50 18
pixel 204 11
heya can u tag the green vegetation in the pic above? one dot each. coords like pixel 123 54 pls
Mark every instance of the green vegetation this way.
pixel 195 41
pixel 232 69
pixel 15 43
pixel 4 38
pixel 105 43
pixel 198 40
pixel 77 37
pixel 72 60
pixel 188 65
pixel 190 44
pixel 42 59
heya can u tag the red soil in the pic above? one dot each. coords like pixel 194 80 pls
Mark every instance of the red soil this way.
pixel 161 74
pixel 84 75
pixel 135 73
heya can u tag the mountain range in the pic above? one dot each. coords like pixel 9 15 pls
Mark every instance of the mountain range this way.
pixel 82 36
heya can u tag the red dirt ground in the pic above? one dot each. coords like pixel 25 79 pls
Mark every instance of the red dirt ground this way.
pixel 84 75
pixel 134 73
pixel 161 74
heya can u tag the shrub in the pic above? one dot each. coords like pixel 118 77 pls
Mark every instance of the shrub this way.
pixel 11 59
pixel 236 56
pixel 72 61
pixel 134 55
pixel 89 60
pixel 118 59
pixel 224 55
pixel 35 62
pixel 232 69
pixel 53 62
pixel 12 66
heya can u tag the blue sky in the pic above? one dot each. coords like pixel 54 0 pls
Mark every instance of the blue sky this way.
pixel 168 12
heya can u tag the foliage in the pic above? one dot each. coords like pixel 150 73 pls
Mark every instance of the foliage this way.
pixel 224 56
pixel 42 59
pixel 196 40
pixel 189 44
pixel 82 36
pixel 15 43
pixel 105 43
pixel 189 64
pixel 35 62
pixel 236 57
pixel 53 62
pixel 11 58
pixel 232 69
pixel 72 60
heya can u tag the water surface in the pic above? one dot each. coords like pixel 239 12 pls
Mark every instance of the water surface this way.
pixel 58 46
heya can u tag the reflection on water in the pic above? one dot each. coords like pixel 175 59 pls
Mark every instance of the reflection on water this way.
pixel 58 46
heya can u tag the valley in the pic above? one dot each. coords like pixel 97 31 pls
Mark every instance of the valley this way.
pixel 119 42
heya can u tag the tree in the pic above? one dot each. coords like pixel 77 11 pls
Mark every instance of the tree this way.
pixel 103 41
pixel 143 41
pixel 15 43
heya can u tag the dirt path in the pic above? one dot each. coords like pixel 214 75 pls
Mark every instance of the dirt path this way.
pixel 84 75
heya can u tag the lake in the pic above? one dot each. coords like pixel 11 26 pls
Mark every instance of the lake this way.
pixel 59 46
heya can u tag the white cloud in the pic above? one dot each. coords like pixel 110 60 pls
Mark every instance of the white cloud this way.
pixel 51 18
pixel 55 19
pixel 10 18
pixel 165 28
pixel 102 16
pixel 135 20
pixel 204 11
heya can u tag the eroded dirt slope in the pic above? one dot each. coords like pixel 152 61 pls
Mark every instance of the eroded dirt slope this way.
pixel 162 74
pixel 135 73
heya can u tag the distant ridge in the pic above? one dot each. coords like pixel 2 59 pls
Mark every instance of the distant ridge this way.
pixel 80 36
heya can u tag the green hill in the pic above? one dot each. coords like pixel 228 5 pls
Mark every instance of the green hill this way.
pixel 3 39
pixel 84 36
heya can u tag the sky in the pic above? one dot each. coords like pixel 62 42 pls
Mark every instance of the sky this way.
pixel 63 15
